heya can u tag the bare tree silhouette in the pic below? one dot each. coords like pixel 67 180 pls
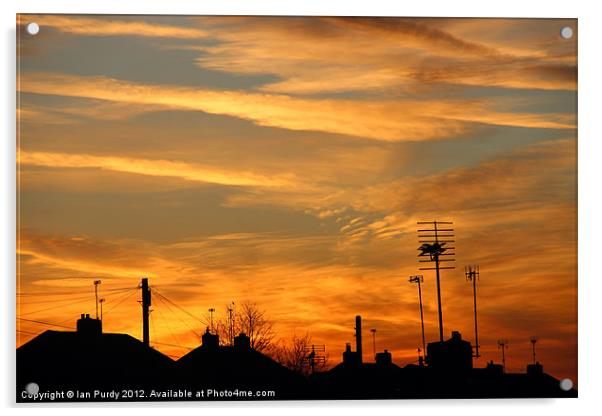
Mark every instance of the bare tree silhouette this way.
pixel 253 321
pixel 293 354
pixel 250 319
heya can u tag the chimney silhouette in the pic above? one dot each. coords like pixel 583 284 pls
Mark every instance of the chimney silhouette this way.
pixel 358 337
pixel 242 342
pixel 89 326
pixel 210 341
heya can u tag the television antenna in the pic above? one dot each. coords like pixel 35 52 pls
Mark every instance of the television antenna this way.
pixel 418 279
pixel 96 283
pixel 533 340
pixel 503 344
pixel 314 356
pixel 101 301
pixel 211 310
pixel 231 323
pixel 472 275
pixel 434 239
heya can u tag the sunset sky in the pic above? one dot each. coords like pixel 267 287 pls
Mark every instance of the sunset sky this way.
pixel 286 161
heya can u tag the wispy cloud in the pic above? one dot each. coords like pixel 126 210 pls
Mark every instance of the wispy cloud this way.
pixel 148 167
pixel 113 26
pixel 315 219
pixel 390 120
pixel 389 55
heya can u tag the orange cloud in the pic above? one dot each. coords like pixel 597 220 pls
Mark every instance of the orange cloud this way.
pixel 112 26
pixel 525 259
pixel 514 213
pixel 388 54
pixel 389 120
pixel 164 168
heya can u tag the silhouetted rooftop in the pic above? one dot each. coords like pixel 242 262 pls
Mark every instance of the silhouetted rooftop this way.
pixel 67 360
pixel 238 367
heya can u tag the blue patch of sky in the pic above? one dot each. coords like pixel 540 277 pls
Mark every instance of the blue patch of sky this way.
pixel 157 216
pixel 483 144
pixel 131 58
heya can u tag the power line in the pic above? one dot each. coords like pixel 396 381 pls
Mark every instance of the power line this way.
pixel 62 300
pixel 196 318
pixel 62 305
pixel 65 304
pixel 46 301
pixel 173 345
pixel 49 293
pixel 44 323
pixel 166 323
pixel 73 292
pixel 179 318
pixel 28 332
pixel 121 300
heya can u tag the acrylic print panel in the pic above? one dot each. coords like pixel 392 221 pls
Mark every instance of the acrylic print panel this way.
pixel 271 208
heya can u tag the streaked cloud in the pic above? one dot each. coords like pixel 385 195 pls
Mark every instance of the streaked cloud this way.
pixel 85 25
pixel 300 188
pixel 390 120
pixel 164 168
pixel 392 55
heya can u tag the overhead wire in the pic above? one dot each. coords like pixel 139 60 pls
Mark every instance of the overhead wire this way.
pixel 196 318
pixel 72 292
pixel 68 302
pixel 198 335
pixel 28 332
pixel 44 323
pixel 166 323
pixel 120 301
pixel 174 345
pixel 124 296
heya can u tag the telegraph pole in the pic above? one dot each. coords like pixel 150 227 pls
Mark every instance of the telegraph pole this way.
pixel 433 244
pixel 419 279
pixel 472 275
pixel 146 303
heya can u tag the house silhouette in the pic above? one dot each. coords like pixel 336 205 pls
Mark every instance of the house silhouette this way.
pixel 88 359
pixel 237 366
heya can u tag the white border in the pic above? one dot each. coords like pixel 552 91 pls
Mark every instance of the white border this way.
pixel 590 207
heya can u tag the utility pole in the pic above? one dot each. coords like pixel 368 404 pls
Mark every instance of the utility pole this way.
pixel 503 344
pixel 472 275
pixel 419 279
pixel 146 303
pixel 533 341
pixel 433 245
pixel 96 283
pixel 373 330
